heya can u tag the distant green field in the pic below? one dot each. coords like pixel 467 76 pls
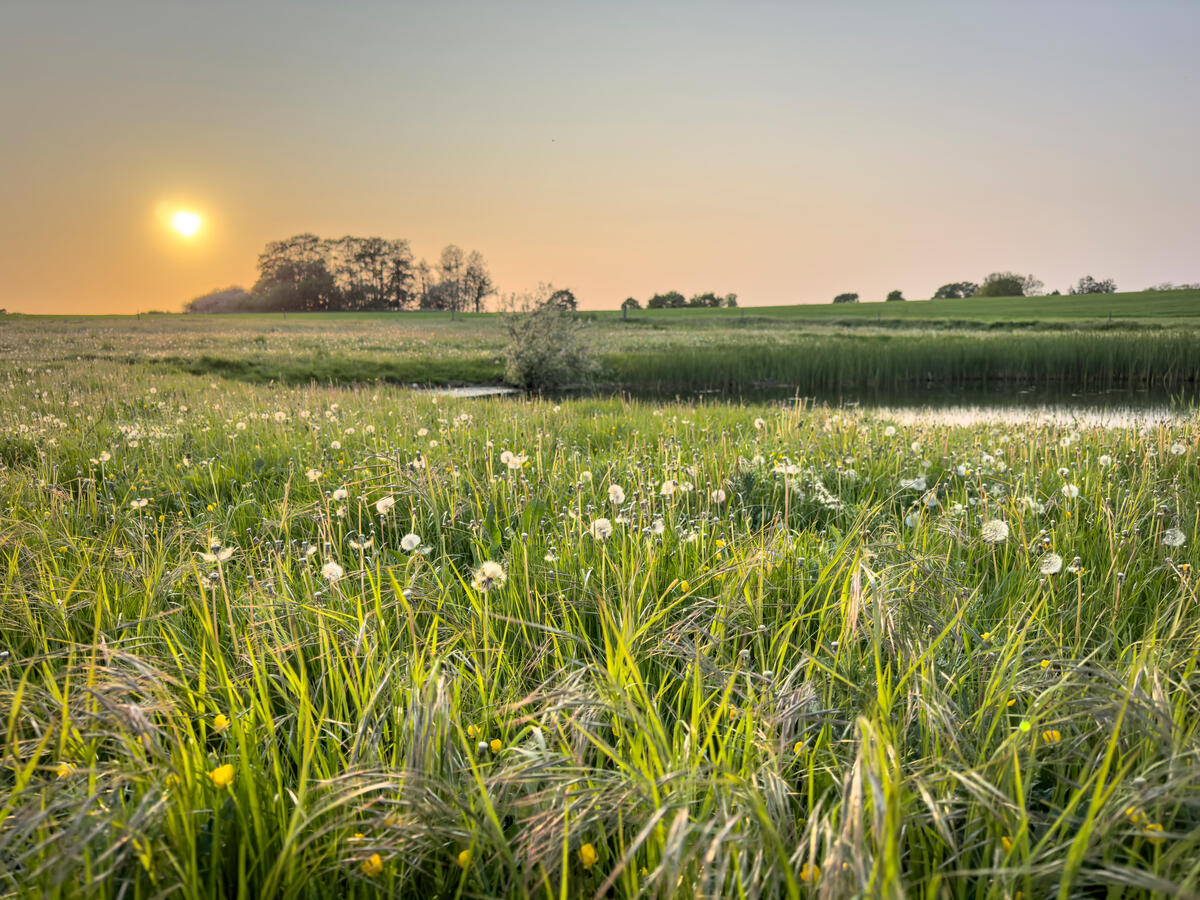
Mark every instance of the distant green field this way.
pixel 1157 306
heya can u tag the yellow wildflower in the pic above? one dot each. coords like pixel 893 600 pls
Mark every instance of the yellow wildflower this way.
pixel 588 856
pixel 464 859
pixel 809 873
pixel 372 865
pixel 799 748
pixel 220 723
pixel 496 745
pixel 472 731
pixel 222 776
pixel 1156 837
pixel 1051 735
pixel 1006 843
pixel 64 770
pixel 684 586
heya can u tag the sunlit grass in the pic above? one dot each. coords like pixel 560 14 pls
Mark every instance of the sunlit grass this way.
pixel 798 660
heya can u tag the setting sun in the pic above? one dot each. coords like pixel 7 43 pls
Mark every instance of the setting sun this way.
pixel 186 223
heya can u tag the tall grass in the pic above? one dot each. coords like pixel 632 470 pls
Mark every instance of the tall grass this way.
pixel 821 682
pixel 1078 359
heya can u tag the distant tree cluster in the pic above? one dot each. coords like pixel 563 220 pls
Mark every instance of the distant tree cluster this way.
pixel 676 300
pixel 1089 285
pixel 846 298
pixel 956 290
pixel 306 272
pixel 1169 286
pixel 230 299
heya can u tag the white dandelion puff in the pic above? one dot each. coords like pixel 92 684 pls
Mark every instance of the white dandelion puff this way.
pixel 384 505
pixel 994 531
pixel 489 575
pixel 331 571
pixel 1173 537
pixel 1051 564
pixel 216 553
pixel 410 542
pixel 602 529
pixel 616 494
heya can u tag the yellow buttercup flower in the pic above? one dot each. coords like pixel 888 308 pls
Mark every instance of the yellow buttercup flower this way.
pixel 464 859
pixel 472 731
pixel 588 855
pixel 1157 835
pixel 220 723
pixel 799 748
pixel 372 865
pixel 222 776
pixel 1045 663
pixel 1006 843
pixel 809 873
pixel 64 770
pixel 496 745
pixel 1051 735
pixel 684 586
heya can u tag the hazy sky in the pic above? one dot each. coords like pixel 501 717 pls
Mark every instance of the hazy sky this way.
pixel 786 151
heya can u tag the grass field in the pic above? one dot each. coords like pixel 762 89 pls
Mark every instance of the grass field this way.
pixel 1063 342
pixel 305 641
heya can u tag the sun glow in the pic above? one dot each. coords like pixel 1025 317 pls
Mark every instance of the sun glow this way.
pixel 186 223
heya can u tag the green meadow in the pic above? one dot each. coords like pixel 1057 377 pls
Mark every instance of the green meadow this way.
pixel 339 638
pixel 1063 343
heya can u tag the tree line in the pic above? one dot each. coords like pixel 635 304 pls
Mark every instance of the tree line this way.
pixel 306 273
pixel 1005 284
pixel 676 300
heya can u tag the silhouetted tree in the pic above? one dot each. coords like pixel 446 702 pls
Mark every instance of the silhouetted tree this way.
pixel 630 303
pixel 893 296
pixel 563 299
pixel 477 282
pixel 1089 285
pixel 846 298
pixel 294 275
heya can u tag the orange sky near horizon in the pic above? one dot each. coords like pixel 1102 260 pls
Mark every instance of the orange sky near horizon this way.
pixel 783 151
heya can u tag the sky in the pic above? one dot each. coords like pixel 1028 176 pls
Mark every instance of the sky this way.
pixel 785 151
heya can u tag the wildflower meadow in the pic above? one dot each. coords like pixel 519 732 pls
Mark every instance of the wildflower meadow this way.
pixel 288 641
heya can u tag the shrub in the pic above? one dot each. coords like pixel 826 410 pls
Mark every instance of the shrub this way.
pixel 546 349
pixel 1089 285
pixel 846 298
pixel 893 296
pixel 1002 284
